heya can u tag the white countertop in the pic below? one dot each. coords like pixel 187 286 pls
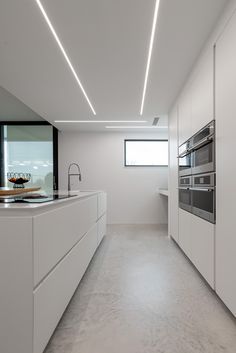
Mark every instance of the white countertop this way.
pixel 164 192
pixel 24 209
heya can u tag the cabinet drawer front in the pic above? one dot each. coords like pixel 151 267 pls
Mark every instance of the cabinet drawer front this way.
pixel 196 238
pixel 56 232
pixel 102 225
pixel 102 204
pixel 54 293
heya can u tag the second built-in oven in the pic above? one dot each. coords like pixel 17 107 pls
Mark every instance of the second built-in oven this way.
pixel 203 196
pixel 197 195
pixel 185 200
pixel 185 159
pixel 203 150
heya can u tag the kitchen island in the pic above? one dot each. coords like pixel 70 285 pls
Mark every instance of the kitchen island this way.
pixel 45 249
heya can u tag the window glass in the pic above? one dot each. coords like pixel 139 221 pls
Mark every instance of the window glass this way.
pixel 29 149
pixel 146 152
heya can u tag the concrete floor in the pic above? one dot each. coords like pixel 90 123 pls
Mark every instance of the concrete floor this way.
pixel 140 294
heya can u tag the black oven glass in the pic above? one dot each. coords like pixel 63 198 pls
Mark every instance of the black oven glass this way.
pixel 203 155
pixel 202 180
pixel 185 197
pixel 203 200
pixel 185 181
pixel 185 162
pixel 201 135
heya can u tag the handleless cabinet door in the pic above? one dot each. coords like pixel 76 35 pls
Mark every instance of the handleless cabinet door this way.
pixel 226 166
pixel 57 231
pixel 202 92
pixel 102 225
pixel 196 238
pixel 185 115
pixel 53 294
pixel 102 203
pixel 173 176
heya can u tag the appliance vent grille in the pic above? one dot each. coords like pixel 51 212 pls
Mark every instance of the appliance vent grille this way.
pixel 155 121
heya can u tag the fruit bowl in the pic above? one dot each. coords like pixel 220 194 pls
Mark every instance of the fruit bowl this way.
pixel 19 179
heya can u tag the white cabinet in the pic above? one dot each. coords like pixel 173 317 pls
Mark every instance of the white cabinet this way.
pixel 202 91
pixel 53 294
pixel 203 247
pixel 196 238
pixel 102 204
pixel 185 114
pixel 44 252
pixel 173 176
pixel 185 232
pixel 102 225
pixel 16 295
pixel 196 103
pixel 225 165
pixel 50 243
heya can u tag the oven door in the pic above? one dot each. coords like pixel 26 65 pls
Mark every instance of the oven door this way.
pixel 185 164
pixel 185 199
pixel 204 158
pixel 203 203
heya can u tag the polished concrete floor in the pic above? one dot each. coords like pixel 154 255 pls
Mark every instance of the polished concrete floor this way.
pixel 140 294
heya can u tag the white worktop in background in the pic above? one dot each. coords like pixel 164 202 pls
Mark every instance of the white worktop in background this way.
pixel 164 192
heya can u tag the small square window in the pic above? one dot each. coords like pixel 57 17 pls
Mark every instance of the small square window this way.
pixel 146 153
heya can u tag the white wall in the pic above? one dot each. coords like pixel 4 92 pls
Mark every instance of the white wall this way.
pixel 132 191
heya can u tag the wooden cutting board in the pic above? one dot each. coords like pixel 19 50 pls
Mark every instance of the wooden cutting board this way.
pixel 9 192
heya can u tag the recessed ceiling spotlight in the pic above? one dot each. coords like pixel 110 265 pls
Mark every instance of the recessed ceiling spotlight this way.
pixel 64 53
pixel 100 121
pixel 154 23
pixel 137 127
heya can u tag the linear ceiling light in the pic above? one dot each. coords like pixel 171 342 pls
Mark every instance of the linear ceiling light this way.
pixel 150 53
pixel 64 53
pixel 100 121
pixel 137 127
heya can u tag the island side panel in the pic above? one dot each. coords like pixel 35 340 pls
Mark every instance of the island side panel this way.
pixel 16 284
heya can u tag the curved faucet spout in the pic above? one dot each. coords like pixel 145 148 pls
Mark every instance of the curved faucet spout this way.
pixel 73 174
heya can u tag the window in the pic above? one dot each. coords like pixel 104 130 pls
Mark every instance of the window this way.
pixel 29 148
pixel 146 153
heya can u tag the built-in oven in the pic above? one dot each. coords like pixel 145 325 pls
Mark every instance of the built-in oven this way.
pixel 185 159
pixel 203 196
pixel 185 200
pixel 202 146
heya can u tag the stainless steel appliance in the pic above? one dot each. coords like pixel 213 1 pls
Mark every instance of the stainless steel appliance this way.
pixel 185 159
pixel 185 200
pixel 197 195
pixel 202 147
pixel 203 196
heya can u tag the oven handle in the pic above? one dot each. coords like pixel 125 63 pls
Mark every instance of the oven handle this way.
pixel 183 188
pixel 203 189
pixel 203 142
pixel 184 154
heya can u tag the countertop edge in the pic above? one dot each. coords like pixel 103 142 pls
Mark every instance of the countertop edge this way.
pixel 30 209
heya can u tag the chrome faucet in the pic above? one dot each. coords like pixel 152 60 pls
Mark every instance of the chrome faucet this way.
pixel 73 174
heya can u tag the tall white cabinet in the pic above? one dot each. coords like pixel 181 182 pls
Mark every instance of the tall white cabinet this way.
pixel 173 176
pixel 226 165
pixel 210 93
pixel 196 102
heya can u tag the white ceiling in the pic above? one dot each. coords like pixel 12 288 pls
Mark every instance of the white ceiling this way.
pixel 11 109
pixel 107 42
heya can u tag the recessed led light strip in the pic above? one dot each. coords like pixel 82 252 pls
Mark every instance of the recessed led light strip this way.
pixel 100 121
pixel 64 53
pixel 137 127
pixel 150 53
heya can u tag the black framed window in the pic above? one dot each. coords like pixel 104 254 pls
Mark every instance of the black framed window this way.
pixel 146 153
pixel 29 147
